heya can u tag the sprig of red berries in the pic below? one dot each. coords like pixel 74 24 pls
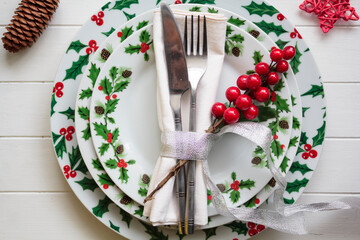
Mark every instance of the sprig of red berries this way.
pixel 312 153
pixel 69 173
pixel 255 86
pixel 254 228
pixel 69 131
pixel 99 18
pixel 59 86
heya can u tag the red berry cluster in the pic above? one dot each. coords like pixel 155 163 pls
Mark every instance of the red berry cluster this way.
pixel 178 2
pixel 280 17
pixel 69 173
pixel 70 131
pixel 144 47
pixel 109 136
pixel 59 86
pixel 256 86
pixel 235 185
pixel 122 163
pixel 107 98
pixel 98 19
pixel 105 186
pixel 312 153
pixel 295 33
pixel 255 228
pixel 92 47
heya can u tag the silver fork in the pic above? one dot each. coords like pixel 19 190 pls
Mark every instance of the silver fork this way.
pixel 196 59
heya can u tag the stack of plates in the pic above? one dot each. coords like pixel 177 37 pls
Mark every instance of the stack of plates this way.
pixel 105 95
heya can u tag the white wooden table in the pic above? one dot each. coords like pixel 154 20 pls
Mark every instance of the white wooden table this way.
pixel 37 203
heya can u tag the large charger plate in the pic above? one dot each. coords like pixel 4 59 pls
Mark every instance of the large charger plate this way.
pixel 62 111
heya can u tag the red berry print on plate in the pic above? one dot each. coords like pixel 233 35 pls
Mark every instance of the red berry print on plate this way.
pixel 101 14
pixel 275 137
pixel 305 155
pixel 260 228
pixel 100 88
pixel 114 96
pixel 293 35
pixel 257 201
pixel 98 19
pixel 105 186
pixel 282 146
pixel 59 93
pixel 178 2
pixel 307 147
pixel 67 175
pixel 253 232
pixel 59 86
pixel 144 47
pixel 66 168
pixel 70 129
pixel 313 153
pixel 73 174
pixel 62 131
pixel 107 98
pixel 280 17
pixel 69 137
pixel 251 225
pixel 119 34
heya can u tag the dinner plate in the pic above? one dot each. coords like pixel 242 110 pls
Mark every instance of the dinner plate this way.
pixel 71 70
pixel 85 92
pixel 124 127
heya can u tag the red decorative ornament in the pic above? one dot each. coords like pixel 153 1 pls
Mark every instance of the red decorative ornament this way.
pixel 329 11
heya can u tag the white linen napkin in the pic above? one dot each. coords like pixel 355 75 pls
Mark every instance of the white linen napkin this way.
pixel 163 209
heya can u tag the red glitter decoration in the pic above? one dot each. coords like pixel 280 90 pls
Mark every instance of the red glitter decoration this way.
pixel 329 11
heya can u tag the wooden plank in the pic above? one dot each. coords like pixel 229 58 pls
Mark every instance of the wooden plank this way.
pixel 55 215
pixel 31 164
pixel 30 115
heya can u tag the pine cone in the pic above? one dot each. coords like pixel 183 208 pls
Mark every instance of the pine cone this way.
pixel 284 124
pixel 236 51
pixel 29 21
pixel 120 149
pixel 99 110
pixel 126 73
pixel 256 160
pixel 272 182
pixel 221 187
pixel 254 33
pixel 145 179
pixel 105 54
pixel 125 200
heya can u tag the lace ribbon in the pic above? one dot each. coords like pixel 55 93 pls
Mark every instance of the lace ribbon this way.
pixel 289 219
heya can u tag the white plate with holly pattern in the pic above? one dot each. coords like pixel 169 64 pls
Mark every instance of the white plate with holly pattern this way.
pixel 124 128
pixel 63 103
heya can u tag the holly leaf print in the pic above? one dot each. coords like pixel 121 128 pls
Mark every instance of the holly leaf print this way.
pixel 235 196
pixel 293 99
pixel 60 146
pixel 126 217
pixel 296 185
pixel 113 72
pixel 238 227
pixel 101 130
pixel 139 211
pixel 126 32
pixel 289 201
pixel 93 73
pixel 84 113
pixel 111 163
pixel 316 90
pixel 229 30
pixel 274 127
pixel 97 165
pixel 132 49
pixel 114 227
pixel 74 157
pixel 248 184
pixel 76 67
pixel 102 207
pixel 237 38
pixel 77 46
pixel 209 232
pixel 86 93
pixel 304 109
pixel 142 24
pixel 281 44
pixel 143 192
pixel 106 86
pixel 144 36
pixel 131 162
pixel 53 103
pixel 257 57
pixel 109 32
pixel 212 10
pixel 69 113
pixel 115 134
pixel 202 1
pixel 295 61
pixel 233 176
pixel 129 16
pixel 319 138
pixel 121 86
pixel 296 123
pixel 124 177
pixel 293 142
pixel 154 232
pixel 260 9
pixel 284 164
pixel 146 57
pixel 103 148
pixel 250 203
pixel 303 138
pixel 276 148
pixel 120 5
pixel 195 9
pixel 266 113
pixel 106 6
pixel 302 168
pixel 86 132
pixel 87 184
pixel 81 167
pixel 236 21
pixel 281 104
pixel 105 179
pixel 271 27
pixel 279 86
pixel 110 105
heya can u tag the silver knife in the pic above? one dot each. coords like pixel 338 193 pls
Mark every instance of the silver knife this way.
pixel 178 85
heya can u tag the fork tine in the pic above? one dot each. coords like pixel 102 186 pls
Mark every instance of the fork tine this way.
pixel 186 36
pixel 205 48
pixel 192 35
pixel 198 36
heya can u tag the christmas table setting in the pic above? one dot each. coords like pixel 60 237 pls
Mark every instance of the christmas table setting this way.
pixel 250 131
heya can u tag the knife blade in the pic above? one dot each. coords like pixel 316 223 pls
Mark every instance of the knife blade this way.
pixel 178 85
